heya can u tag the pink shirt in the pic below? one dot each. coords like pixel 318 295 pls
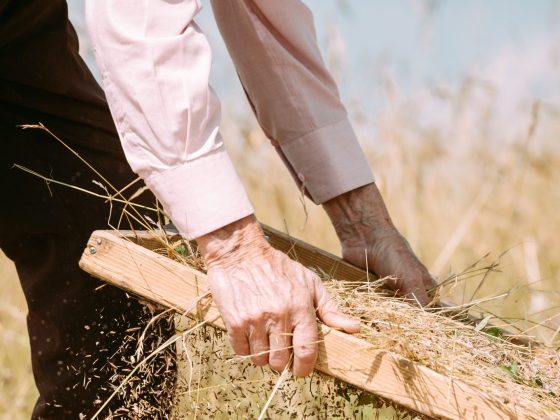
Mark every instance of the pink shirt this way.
pixel 155 65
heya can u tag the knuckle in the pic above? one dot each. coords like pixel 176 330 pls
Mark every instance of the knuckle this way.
pixel 313 282
pixel 280 311
pixel 252 318
pixel 303 305
pixel 328 307
pixel 275 311
pixel 236 328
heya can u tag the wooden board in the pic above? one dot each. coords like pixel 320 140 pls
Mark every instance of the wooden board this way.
pixel 120 261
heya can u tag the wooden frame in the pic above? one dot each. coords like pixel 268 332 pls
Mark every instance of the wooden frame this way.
pixel 123 259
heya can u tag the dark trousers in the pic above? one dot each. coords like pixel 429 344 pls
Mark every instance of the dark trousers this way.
pixel 77 333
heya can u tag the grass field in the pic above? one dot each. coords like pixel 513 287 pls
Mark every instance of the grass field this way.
pixel 462 186
pixel 455 202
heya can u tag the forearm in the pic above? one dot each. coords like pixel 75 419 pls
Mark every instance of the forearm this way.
pixel 296 101
pixel 155 64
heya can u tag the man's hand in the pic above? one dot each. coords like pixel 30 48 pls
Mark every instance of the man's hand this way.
pixel 268 302
pixel 370 240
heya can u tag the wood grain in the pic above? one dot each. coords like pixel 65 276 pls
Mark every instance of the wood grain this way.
pixel 120 261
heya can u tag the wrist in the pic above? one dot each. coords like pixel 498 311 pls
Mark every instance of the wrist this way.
pixel 234 242
pixel 360 215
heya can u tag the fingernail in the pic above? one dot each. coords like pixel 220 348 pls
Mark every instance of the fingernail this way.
pixel 354 324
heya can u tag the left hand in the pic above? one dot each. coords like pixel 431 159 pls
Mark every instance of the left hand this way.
pixel 370 241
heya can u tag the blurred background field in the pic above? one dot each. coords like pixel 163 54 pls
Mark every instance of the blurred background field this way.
pixel 457 105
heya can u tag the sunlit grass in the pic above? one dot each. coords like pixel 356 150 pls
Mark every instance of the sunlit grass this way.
pixel 455 193
pixel 17 389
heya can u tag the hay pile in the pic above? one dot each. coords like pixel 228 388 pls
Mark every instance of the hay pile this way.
pixel 477 355
pixel 215 382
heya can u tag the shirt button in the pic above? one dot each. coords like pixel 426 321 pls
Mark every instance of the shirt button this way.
pixel 301 176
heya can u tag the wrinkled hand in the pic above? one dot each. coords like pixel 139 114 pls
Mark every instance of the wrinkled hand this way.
pixel 390 256
pixel 370 240
pixel 269 303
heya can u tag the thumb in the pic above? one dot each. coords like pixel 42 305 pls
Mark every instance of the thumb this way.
pixel 329 312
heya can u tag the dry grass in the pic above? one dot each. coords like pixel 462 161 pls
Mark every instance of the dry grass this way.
pixel 474 354
pixel 217 383
pixel 457 191
pixel 440 218
pixel 451 221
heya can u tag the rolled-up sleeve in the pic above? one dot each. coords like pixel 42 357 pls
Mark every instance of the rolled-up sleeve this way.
pixel 155 65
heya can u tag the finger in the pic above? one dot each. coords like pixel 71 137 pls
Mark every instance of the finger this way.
pixel 419 295
pixel 430 282
pixel 239 341
pixel 280 341
pixel 415 287
pixel 258 344
pixel 305 346
pixel 329 312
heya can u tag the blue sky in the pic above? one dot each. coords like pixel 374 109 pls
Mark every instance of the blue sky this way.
pixel 421 44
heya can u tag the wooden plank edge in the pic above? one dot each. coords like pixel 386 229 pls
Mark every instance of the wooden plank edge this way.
pixel 162 280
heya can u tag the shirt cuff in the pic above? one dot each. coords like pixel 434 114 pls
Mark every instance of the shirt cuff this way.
pixel 201 195
pixel 328 161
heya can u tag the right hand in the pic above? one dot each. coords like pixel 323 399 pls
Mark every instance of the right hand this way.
pixel 269 303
